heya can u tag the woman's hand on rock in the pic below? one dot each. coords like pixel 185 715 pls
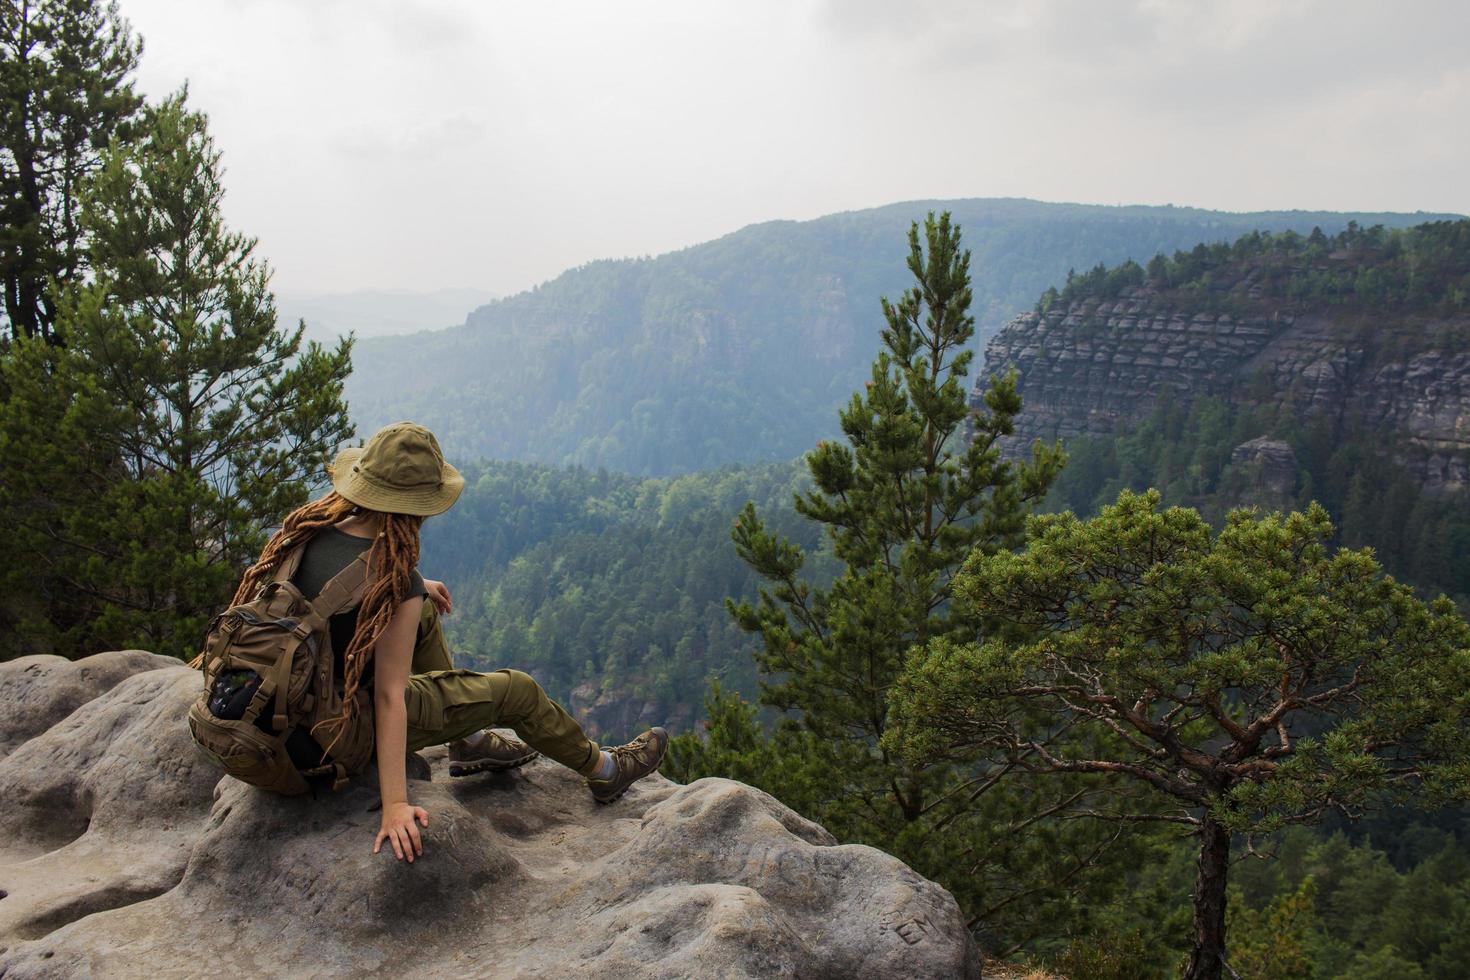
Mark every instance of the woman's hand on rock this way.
pixel 439 596
pixel 398 828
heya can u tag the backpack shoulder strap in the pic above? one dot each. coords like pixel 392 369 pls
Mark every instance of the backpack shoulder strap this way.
pixel 343 590
pixel 289 564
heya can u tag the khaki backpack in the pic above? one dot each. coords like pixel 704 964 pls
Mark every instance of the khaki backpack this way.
pixel 268 671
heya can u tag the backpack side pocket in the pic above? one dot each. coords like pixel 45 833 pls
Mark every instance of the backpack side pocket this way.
pixel 246 752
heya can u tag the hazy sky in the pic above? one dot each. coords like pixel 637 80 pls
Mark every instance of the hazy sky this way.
pixel 422 144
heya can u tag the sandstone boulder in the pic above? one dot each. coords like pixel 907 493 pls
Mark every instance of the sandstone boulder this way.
pixel 127 855
pixel 40 691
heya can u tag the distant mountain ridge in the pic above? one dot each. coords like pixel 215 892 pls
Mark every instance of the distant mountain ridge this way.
pixel 377 312
pixel 742 348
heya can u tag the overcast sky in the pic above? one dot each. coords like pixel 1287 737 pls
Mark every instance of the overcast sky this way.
pixel 423 144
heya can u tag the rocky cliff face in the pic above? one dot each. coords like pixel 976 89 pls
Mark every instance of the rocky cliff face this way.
pixel 1270 466
pixel 125 854
pixel 1096 366
pixel 611 714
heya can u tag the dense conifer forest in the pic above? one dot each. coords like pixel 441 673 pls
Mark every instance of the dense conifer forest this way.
pixel 590 577
pixel 1380 269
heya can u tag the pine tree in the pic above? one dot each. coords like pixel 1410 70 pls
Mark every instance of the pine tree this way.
pixel 905 504
pixel 905 501
pixel 1249 680
pixel 182 419
pixel 65 91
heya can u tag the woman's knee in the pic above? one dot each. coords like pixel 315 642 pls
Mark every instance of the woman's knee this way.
pixel 521 688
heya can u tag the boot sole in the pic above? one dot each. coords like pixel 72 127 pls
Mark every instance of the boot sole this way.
pixel 605 800
pixel 488 765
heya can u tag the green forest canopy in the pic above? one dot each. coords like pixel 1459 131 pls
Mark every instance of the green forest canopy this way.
pixel 584 576
pixel 1393 293
pixel 1420 269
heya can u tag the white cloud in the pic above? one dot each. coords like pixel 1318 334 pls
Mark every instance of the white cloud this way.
pixel 388 143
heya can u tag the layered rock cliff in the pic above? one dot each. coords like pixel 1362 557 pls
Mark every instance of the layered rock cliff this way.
pixel 1095 366
pixel 126 854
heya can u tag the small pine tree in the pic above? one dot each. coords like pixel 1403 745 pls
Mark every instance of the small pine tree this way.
pixel 1274 943
pixel 1250 680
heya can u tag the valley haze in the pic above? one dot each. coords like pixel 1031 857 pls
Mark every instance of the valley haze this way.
pixel 740 349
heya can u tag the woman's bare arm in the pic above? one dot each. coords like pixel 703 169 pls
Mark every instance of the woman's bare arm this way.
pixel 392 658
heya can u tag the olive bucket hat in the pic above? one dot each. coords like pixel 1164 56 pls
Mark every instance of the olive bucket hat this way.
pixel 399 471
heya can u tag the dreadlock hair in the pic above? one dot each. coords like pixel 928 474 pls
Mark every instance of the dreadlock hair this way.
pixel 391 561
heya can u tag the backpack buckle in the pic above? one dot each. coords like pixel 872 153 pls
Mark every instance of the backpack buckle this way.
pixel 298 628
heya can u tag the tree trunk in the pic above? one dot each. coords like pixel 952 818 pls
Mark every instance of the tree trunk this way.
pixel 1207 959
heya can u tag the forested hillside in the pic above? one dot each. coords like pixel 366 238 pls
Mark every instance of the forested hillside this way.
pixel 1275 371
pixel 740 349
pixel 610 589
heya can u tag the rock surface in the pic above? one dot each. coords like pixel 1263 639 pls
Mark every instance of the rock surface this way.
pixel 126 854
pixel 1272 462
pixel 618 714
pixel 41 690
pixel 1096 367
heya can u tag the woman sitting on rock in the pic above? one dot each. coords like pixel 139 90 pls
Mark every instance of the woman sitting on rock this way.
pixel 392 642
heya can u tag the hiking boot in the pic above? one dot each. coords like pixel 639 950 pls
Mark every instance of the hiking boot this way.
pixel 634 761
pixel 494 751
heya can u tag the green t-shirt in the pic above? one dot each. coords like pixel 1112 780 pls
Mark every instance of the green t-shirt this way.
pixel 328 552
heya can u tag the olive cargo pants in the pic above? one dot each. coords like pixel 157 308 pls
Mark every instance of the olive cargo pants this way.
pixel 446 703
